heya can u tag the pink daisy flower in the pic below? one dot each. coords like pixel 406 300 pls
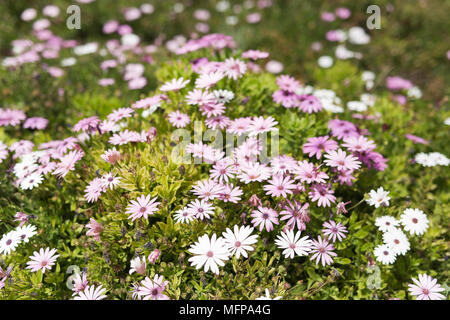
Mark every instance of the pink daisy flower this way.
pixel 317 145
pixel 80 282
pixel 342 129
pixel 9 117
pixel 283 164
pixel 323 251
pixel 125 137
pixel 340 207
pixel 67 144
pixel 88 125
pixel 68 163
pixel 178 119
pixel 251 172
pixel 201 209
pixel 333 230
pixel 323 194
pixel 207 189
pixel 309 104
pixel 153 101
pixel 21 147
pixel 358 144
pixel 208 80
pixel 22 218
pixel 340 160
pixel 174 84
pixel 426 288
pixel 120 114
pixel 223 170
pixel 94 190
pixel 142 207
pixel 296 214
pixel 239 126
pixel 94 229
pixel 261 125
pixel 153 289
pixel 212 109
pixel 287 83
pixel 309 173
pixel 111 156
pixel 264 217
pixel 416 139
pixel 286 98
pixel 35 123
pixel 279 186
pixel 219 122
pixel 42 260
pixel 231 193
pixel 199 97
pixel 233 68
pixel 345 177
pixel 255 54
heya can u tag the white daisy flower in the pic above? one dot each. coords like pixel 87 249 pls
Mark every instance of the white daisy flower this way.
pixel 210 253
pixel 267 296
pixel 91 293
pixel 23 169
pixel 385 223
pixel 293 244
pixel 25 232
pixel 223 96
pixel 385 254
pixel 138 265
pixel 240 241
pixel 201 209
pixel 110 181
pixel 414 221
pixel 378 198
pixel 357 106
pixel 325 62
pixel 184 216
pixel 397 240
pixel 431 159
pixel 31 181
pixel 9 242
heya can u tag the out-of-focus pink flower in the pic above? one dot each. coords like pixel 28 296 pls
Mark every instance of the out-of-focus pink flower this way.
pixel 327 16
pixel 343 13
pixel 416 139
pixel 154 256
pixel 398 83
pixel 35 123
pixel 94 229
pixel 137 83
pixel 21 217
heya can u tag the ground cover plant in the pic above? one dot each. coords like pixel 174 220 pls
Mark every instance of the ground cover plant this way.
pixel 199 150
